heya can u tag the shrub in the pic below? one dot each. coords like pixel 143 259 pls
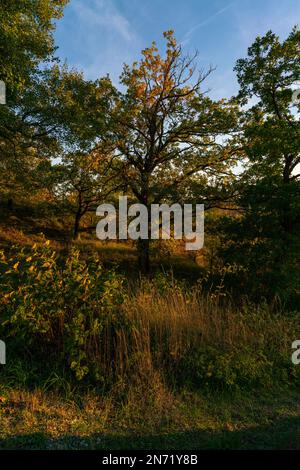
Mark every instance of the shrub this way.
pixel 58 307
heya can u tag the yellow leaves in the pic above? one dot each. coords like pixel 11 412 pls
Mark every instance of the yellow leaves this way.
pixel 46 265
pixel 86 282
pixel 140 90
pixel 169 35
pixel 3 400
pixel 229 427
pixel 8 295
pixel 154 76
pixel 2 257
pixel 15 266
pixel 31 269
pixel 29 259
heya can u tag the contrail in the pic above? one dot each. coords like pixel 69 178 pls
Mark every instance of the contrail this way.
pixel 188 35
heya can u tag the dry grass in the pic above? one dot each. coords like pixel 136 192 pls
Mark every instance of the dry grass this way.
pixel 166 326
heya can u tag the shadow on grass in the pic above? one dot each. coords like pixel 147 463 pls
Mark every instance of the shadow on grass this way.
pixel 282 434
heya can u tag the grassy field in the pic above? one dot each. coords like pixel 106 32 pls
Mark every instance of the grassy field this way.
pixel 176 366
pixel 267 419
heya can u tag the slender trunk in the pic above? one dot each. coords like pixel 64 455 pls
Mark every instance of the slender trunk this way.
pixel 144 245
pixel 144 256
pixel 78 215
pixel 76 224
pixel 10 204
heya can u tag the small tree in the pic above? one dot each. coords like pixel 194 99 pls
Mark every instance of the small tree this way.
pixel 86 180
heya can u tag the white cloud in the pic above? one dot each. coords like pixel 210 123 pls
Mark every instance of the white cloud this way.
pixel 100 13
pixel 101 38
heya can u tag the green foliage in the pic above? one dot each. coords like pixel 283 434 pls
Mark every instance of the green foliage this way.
pixel 26 38
pixel 58 307
pixel 65 317
pixel 237 368
pixel 260 363
pixel 263 242
pixel 207 366
pixel 263 239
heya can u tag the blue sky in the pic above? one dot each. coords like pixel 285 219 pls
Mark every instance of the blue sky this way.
pixel 98 36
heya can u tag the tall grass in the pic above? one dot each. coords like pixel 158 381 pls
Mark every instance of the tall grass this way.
pixel 198 339
pixel 75 320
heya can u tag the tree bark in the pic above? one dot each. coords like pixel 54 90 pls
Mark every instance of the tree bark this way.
pixel 79 213
pixel 10 204
pixel 144 256
pixel 77 225
pixel 144 245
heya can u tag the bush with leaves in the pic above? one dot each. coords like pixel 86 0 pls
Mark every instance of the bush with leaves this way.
pixel 58 308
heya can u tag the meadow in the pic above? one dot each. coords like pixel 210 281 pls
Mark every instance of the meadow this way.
pixel 100 359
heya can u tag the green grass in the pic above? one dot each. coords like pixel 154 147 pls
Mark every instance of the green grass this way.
pixel 264 420
pixel 179 352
